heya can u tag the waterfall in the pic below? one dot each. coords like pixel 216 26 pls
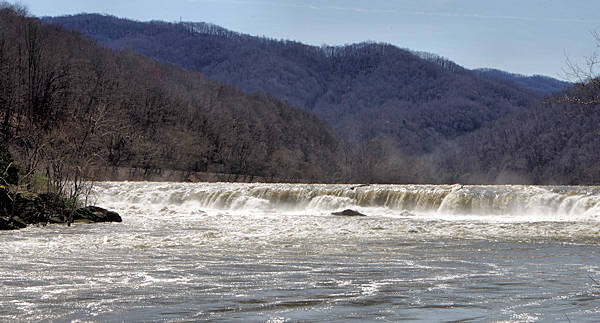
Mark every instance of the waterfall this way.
pixel 447 200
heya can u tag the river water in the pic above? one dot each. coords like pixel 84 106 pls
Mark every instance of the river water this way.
pixel 274 253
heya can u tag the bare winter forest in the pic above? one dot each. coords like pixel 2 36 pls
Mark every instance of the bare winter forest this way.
pixel 81 95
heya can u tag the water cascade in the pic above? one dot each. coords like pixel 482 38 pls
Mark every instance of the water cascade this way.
pixel 514 200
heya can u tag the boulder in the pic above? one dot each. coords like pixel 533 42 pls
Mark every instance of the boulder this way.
pixel 17 210
pixel 18 222
pixel 348 212
pixel 57 219
pixel 7 223
pixel 86 221
pixel 95 214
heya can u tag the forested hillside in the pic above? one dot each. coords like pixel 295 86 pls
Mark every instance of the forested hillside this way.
pixel 366 91
pixel 542 84
pixel 555 142
pixel 69 106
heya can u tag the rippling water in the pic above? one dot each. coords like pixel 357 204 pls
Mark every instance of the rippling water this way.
pixel 273 252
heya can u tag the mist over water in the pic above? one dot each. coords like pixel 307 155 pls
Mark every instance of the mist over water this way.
pixel 274 252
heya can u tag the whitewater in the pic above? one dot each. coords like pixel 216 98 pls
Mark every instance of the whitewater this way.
pixel 275 253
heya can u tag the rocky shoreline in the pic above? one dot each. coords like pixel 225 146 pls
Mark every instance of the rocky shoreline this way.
pixel 18 210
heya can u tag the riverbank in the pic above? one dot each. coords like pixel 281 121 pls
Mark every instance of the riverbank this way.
pixel 119 174
pixel 20 209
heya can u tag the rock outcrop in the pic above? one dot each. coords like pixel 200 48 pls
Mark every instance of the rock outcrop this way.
pixel 11 223
pixel 90 214
pixel 348 212
pixel 17 210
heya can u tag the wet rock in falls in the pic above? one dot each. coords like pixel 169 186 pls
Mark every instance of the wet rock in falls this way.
pixel 348 212
pixel 92 214
pixel 359 186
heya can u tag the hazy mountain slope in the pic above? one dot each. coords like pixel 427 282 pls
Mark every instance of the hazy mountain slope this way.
pixel 557 141
pixel 365 90
pixel 539 83
pixel 67 103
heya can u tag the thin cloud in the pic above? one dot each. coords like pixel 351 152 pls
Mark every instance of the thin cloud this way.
pixel 352 9
pixel 363 10
pixel 459 15
pixel 366 10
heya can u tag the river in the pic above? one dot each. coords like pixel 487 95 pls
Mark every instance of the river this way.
pixel 274 253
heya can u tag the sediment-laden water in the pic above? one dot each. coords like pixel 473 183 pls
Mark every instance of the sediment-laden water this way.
pixel 274 252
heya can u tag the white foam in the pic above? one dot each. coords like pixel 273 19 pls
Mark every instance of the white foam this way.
pixel 234 211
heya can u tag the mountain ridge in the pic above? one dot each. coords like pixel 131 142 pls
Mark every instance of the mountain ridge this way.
pixel 365 90
pixel 406 116
pixel 540 83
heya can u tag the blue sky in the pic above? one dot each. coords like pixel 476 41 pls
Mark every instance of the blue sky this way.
pixel 521 36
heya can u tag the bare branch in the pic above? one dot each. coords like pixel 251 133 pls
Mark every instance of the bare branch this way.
pixel 587 76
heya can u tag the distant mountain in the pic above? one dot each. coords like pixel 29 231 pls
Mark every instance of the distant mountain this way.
pixel 366 91
pixel 539 83
pixel 69 106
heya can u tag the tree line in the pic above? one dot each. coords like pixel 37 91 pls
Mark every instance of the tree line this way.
pixel 70 106
pixel 71 109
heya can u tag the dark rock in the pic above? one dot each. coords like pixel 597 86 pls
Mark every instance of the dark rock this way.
pixel 5 224
pixel 57 219
pixel 86 221
pixel 17 210
pixel 18 222
pixel 348 212
pixel 406 213
pixel 361 185
pixel 29 207
pixel 95 214
pixel 8 223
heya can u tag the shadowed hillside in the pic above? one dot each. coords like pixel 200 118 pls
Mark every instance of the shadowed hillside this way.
pixel 555 142
pixel 406 117
pixel 365 90
pixel 69 106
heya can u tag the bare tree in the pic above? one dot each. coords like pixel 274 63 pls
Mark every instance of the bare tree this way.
pixel 587 75
pixel 18 8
